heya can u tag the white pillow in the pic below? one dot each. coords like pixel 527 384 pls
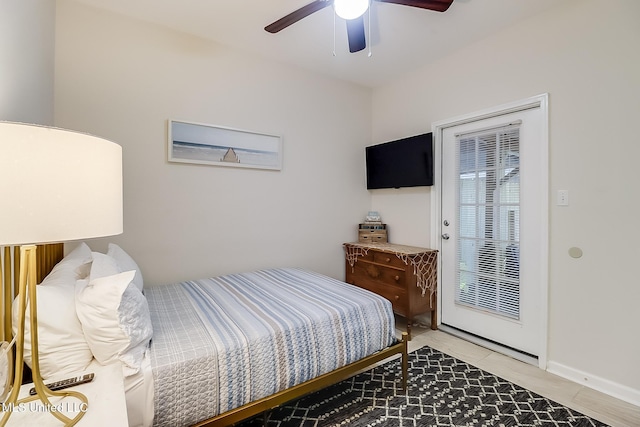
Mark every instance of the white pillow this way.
pixel 102 266
pixel 75 264
pixel 61 343
pixel 115 319
pixel 126 263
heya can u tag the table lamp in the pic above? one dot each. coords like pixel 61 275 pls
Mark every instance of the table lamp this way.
pixel 57 186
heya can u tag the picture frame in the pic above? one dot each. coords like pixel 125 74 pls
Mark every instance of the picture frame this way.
pixel 205 144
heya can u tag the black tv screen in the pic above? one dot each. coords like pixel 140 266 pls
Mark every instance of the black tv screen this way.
pixel 407 162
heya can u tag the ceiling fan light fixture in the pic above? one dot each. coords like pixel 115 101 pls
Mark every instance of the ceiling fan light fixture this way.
pixel 350 9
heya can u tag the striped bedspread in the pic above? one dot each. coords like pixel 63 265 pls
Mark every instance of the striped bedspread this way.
pixel 222 342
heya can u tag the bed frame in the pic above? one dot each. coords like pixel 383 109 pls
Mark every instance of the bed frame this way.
pixel 50 255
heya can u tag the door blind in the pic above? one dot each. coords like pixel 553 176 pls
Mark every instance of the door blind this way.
pixel 488 251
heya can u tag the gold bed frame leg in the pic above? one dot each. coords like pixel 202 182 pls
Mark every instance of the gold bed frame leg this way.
pixel 405 360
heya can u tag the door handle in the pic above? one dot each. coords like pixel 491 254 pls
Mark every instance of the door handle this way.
pixel 445 236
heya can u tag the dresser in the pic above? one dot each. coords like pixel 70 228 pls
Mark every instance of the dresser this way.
pixel 405 275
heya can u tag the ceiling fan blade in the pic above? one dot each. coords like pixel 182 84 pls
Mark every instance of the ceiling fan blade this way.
pixel 297 15
pixel 355 33
pixel 435 5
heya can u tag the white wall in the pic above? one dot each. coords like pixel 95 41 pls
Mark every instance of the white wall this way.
pixel 585 55
pixel 122 79
pixel 26 60
pixel 406 211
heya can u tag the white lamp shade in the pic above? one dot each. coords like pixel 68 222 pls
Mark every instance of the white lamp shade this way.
pixel 350 9
pixel 57 185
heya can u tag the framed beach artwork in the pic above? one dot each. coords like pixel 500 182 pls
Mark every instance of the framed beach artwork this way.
pixel 220 146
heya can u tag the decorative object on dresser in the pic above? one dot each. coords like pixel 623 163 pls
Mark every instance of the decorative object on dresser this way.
pixel 61 186
pixel 372 233
pixel 405 275
pixel 372 230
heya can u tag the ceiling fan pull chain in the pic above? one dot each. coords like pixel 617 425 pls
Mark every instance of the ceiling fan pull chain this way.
pixel 334 34
pixel 369 30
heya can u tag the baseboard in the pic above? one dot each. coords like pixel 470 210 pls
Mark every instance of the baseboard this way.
pixel 600 384
pixel 523 357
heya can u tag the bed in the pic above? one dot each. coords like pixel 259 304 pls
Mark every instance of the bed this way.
pixel 212 351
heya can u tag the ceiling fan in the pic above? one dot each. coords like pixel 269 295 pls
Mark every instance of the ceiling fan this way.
pixel 352 11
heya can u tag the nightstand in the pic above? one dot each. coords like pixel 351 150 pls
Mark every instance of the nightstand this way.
pixel 107 406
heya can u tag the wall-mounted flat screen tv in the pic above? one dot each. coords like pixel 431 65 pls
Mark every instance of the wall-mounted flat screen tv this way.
pixel 407 162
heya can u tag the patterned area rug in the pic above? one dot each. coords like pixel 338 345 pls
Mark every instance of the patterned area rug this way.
pixel 442 391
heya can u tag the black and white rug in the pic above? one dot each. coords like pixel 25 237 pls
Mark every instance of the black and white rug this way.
pixel 442 391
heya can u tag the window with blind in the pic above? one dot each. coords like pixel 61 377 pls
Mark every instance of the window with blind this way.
pixel 488 220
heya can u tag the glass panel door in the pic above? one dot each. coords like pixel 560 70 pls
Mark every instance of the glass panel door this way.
pixel 493 226
pixel 488 221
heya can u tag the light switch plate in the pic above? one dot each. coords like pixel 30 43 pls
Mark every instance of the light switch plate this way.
pixel 563 197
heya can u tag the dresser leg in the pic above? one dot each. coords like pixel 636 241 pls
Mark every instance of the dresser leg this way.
pixel 434 319
pixel 409 322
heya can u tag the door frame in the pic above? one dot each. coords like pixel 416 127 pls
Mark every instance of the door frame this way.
pixel 538 101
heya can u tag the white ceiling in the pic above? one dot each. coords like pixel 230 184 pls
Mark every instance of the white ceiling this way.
pixel 402 38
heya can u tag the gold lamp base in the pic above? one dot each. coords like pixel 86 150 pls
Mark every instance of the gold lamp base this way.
pixel 27 286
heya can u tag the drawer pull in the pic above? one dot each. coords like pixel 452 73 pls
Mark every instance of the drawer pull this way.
pixel 388 259
pixel 397 278
pixel 397 297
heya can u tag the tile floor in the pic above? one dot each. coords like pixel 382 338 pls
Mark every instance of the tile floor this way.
pixel 590 402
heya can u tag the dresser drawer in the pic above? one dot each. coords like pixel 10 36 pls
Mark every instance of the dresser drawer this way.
pixel 397 296
pixel 373 272
pixel 368 256
pixel 391 260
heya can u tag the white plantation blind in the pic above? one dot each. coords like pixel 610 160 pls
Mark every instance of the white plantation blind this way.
pixel 488 209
